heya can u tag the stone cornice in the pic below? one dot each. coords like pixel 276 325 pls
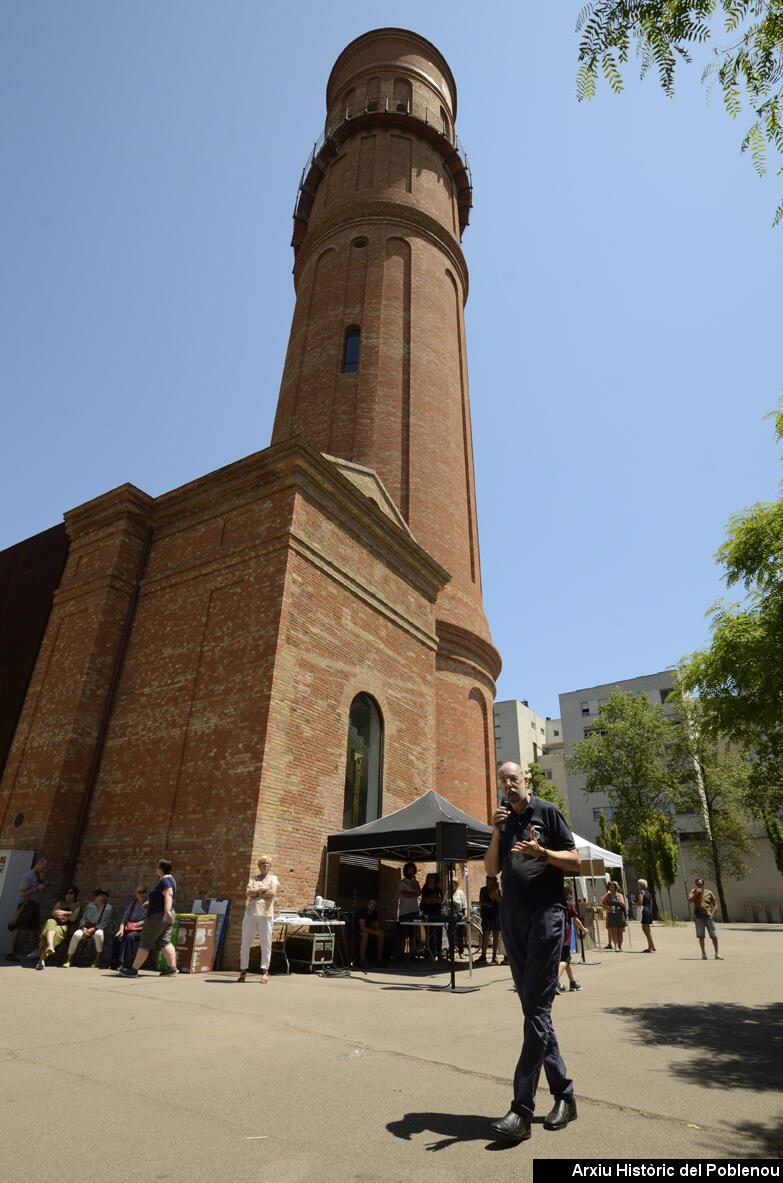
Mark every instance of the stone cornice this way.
pixel 119 506
pixel 386 213
pixel 294 463
pixel 463 645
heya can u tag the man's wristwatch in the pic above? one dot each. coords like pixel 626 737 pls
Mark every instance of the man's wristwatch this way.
pixel 544 853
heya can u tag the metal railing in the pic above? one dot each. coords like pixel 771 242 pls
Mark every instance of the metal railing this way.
pixel 398 110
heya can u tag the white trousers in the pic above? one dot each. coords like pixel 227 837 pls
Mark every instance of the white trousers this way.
pixel 97 936
pixel 252 927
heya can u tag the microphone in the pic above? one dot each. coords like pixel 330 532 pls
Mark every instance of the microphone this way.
pixel 504 804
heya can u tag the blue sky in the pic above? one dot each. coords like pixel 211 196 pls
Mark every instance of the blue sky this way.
pixel 623 320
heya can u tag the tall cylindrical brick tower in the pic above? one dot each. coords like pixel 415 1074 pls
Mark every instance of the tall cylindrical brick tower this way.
pixel 376 370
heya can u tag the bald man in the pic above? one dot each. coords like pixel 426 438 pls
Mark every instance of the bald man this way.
pixel 534 848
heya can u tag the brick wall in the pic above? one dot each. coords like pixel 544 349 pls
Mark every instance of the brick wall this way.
pixel 192 691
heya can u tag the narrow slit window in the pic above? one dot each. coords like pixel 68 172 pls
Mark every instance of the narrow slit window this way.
pixel 351 351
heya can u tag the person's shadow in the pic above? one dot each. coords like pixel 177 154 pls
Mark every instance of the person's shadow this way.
pixel 449 1128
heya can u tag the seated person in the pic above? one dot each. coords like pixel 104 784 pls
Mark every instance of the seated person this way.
pixel 124 943
pixel 370 927
pixel 94 919
pixel 64 914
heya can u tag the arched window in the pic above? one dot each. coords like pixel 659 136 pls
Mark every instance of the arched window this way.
pixel 445 123
pixel 372 100
pixel 364 763
pixel 351 350
pixel 403 93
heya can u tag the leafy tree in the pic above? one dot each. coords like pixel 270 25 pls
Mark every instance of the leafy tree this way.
pixel 609 836
pixel 775 835
pixel 624 756
pixel 739 677
pixel 670 864
pixel 765 790
pixel 749 65
pixel 541 787
pixel 713 781
pixel 647 850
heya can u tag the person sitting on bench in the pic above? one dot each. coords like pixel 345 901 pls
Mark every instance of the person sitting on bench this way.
pixel 370 926
pixel 127 936
pixel 64 913
pixel 94 919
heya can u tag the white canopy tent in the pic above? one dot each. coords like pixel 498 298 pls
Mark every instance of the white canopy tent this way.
pixel 590 852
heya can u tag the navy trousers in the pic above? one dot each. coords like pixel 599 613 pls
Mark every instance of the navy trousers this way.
pixel 533 941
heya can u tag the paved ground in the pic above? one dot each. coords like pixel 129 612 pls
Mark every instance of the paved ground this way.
pixel 383 1077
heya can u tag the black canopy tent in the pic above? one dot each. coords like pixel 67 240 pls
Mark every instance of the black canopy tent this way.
pixel 409 833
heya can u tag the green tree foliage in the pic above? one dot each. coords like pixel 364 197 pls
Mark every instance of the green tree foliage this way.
pixel 653 849
pixel 609 836
pixel 624 757
pixel 765 797
pixel 775 835
pixel 541 787
pixel 739 678
pixel 645 848
pixel 669 864
pixel 713 781
pixel 747 60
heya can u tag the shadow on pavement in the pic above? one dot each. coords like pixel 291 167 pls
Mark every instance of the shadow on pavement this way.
pixel 770 1137
pixel 734 1046
pixel 737 1047
pixel 449 1128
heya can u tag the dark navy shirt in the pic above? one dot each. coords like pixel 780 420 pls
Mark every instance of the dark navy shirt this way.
pixel 156 895
pixel 530 882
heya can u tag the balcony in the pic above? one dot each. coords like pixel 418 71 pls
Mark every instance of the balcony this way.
pixel 385 112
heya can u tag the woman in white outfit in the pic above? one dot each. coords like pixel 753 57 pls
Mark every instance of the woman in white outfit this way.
pixel 259 915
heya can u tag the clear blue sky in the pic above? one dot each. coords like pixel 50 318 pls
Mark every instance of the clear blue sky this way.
pixel 624 317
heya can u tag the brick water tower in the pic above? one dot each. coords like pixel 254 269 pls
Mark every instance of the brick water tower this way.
pixel 376 369
pixel 293 644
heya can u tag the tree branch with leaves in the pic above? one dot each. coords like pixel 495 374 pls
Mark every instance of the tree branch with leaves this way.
pixel 739 677
pixel 544 789
pixel 747 58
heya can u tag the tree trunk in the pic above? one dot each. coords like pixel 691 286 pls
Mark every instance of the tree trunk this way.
pixel 719 884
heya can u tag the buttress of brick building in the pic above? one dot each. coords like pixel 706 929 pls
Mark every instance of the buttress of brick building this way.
pixel 296 643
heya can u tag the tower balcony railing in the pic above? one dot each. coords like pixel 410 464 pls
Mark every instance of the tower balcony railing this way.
pixel 383 111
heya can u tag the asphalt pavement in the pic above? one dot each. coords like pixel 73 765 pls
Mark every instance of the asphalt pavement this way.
pixel 385 1076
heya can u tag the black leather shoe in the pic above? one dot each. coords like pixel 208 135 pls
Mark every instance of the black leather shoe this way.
pixel 563 1112
pixel 512 1127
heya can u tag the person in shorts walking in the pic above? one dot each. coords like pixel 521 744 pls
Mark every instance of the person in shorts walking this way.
pixel 704 908
pixel 156 932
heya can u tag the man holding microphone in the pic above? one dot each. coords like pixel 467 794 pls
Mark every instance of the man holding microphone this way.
pixel 533 847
